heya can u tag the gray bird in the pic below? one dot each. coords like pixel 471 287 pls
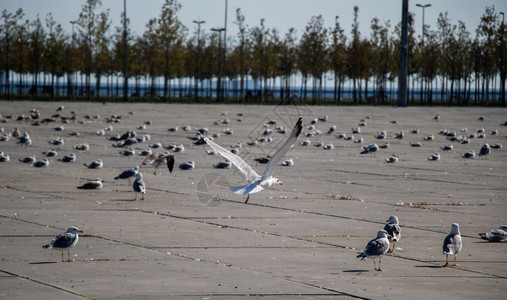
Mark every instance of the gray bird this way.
pixel 138 186
pixel 393 229
pixel 223 165
pixel 65 241
pixel 376 248
pixel 156 160
pixel 50 153
pixel 4 157
pixel 372 148
pixel 187 166
pixel 25 140
pixel 92 184
pixel 452 244
pixel 68 158
pixel 469 154
pixel 96 164
pixel 128 174
pixel 496 235
pixel 41 163
pixel 435 156
pixel 28 160
pixel 485 150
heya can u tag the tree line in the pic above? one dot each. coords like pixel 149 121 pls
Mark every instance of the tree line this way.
pixel 449 64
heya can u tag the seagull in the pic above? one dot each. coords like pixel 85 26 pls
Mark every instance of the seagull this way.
pixel 223 165
pixel 96 164
pixel 145 152
pixel 129 152
pixel 485 150
pixel 68 158
pixel 138 186
pixel 452 244
pixel 392 159
pixel 128 174
pixel 288 162
pixel 156 160
pixel 393 229
pixel 57 141
pixel 372 148
pixel 469 154
pixel 436 118
pixel 92 185
pixel 447 147
pixel 256 182
pixel 187 166
pixel 28 160
pixel 429 137
pixel 41 163
pixel 65 241
pixel 82 146
pixel 4 157
pixel 25 140
pixel 328 146
pixel 496 235
pixel 376 248
pixel 50 153
pixel 435 156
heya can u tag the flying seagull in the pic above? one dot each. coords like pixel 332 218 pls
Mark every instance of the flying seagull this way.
pixel 156 160
pixel 65 241
pixel 256 182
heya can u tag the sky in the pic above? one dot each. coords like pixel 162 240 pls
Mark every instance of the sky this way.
pixel 279 14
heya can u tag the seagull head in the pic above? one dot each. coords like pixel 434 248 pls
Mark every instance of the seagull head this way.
pixel 74 230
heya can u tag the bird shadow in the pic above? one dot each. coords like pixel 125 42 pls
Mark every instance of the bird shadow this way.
pixel 430 267
pixel 42 262
pixel 355 271
pixel 122 200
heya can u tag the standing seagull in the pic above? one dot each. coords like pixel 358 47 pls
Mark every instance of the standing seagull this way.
pixel 376 247
pixel 485 150
pixel 65 241
pixel 393 229
pixel 256 182
pixel 128 174
pixel 138 186
pixel 452 244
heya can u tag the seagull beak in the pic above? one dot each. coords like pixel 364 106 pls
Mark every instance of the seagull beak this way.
pixel 80 231
pixel 281 183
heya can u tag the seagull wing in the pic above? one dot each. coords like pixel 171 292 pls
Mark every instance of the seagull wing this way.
pixel 242 166
pixel 170 162
pixel 296 131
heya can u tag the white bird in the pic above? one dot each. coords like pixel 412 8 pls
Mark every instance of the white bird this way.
pixel 372 148
pixel 82 146
pixel 128 174
pixel 65 241
pixel 469 154
pixel 288 162
pixel 256 182
pixel 50 153
pixel 496 235
pixel 25 140
pixel 485 150
pixel 392 159
pixel 138 186
pixel 29 159
pixel 41 163
pixel 68 158
pixel 452 244
pixel 96 164
pixel 92 184
pixel 393 229
pixel 4 157
pixel 435 156
pixel 376 248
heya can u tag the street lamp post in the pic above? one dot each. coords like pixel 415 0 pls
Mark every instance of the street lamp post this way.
pixel 423 6
pixel 125 76
pixel 196 90
pixel 73 78
pixel 225 45
pixel 219 85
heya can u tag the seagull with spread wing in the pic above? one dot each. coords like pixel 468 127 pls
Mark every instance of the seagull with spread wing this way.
pixel 256 182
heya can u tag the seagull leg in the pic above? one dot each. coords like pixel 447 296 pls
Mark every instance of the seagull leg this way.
pixel 379 263
pixel 392 250
pixel 447 261
pixel 374 264
pixel 247 198
pixel 62 257
pixel 142 197
pixel 68 256
pixel 455 260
